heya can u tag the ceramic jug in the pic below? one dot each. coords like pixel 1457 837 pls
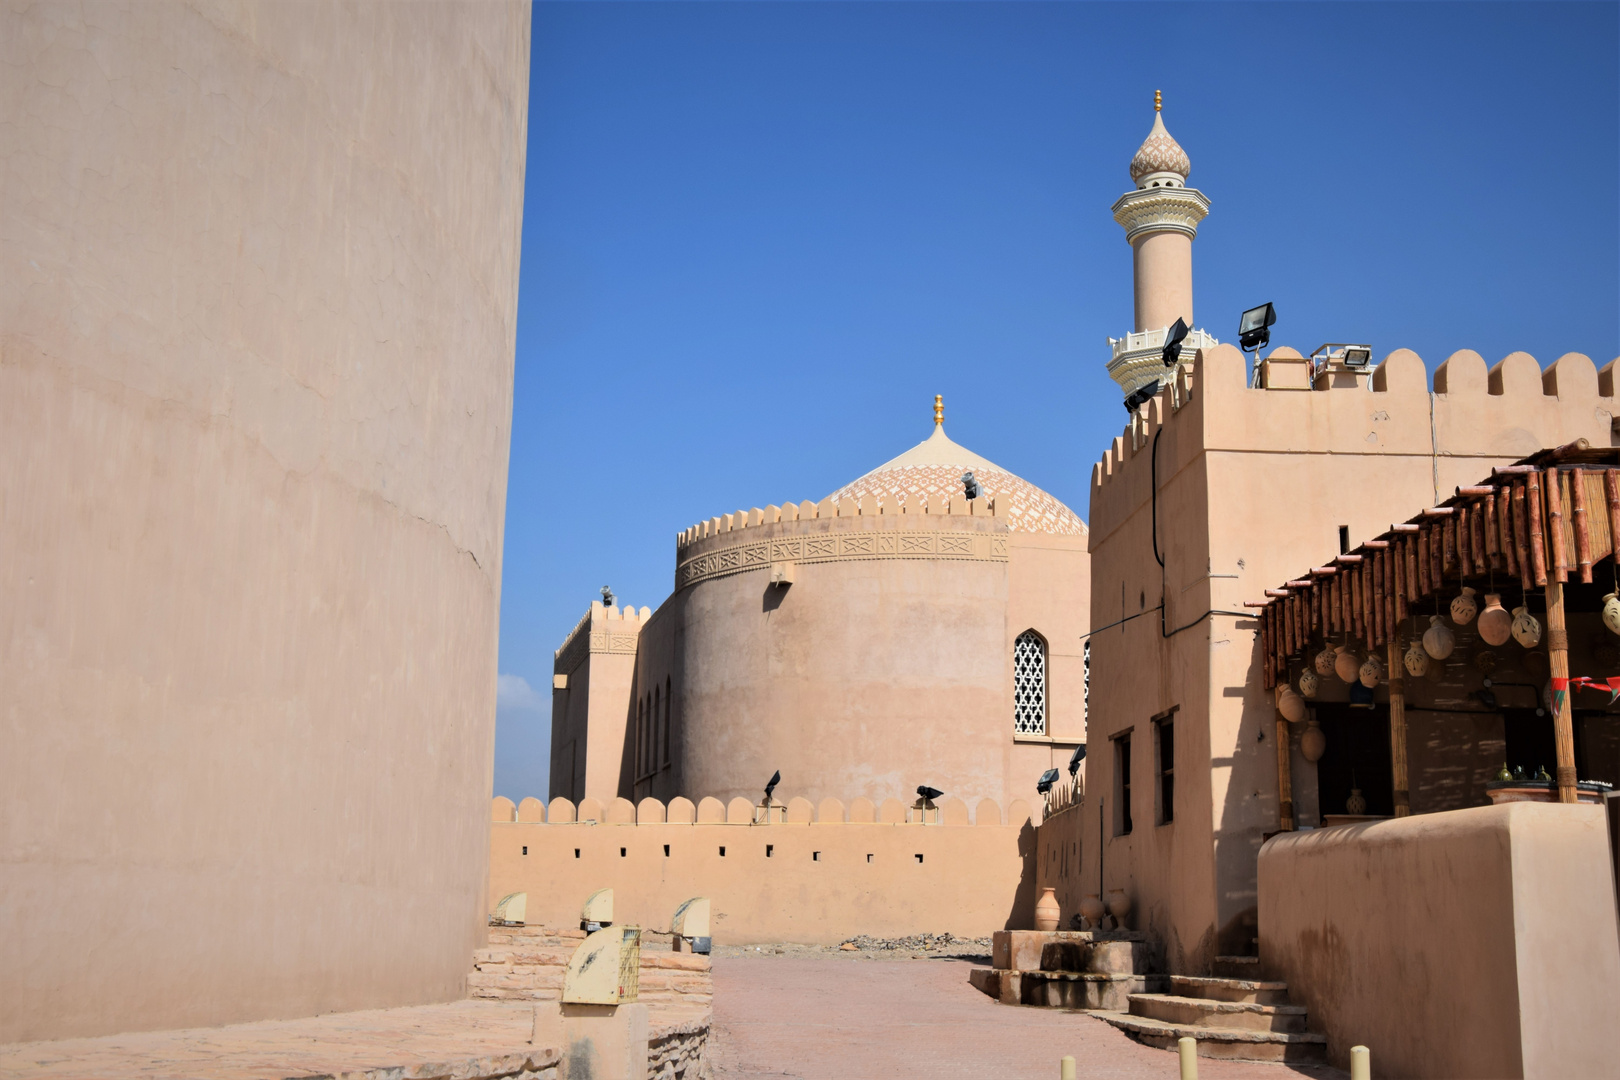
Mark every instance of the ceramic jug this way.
pixel 1416 660
pixel 1495 624
pixel 1438 640
pixel 1345 664
pixel 1464 608
pixel 1526 628
pixel 1309 683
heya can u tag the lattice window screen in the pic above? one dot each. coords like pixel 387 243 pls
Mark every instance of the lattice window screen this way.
pixel 1029 684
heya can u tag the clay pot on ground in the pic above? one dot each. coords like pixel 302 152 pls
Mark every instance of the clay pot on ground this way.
pixel 1495 624
pixel 1046 911
pixel 1290 704
pixel 1526 628
pixel 1355 804
pixel 1438 640
pixel 1119 906
pixel 1464 608
pixel 1416 660
pixel 1309 684
pixel 1313 743
pixel 1346 665
pixel 1371 673
pixel 1611 613
pixel 1092 911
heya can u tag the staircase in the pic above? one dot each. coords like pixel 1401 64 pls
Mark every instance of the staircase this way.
pixel 1238 1018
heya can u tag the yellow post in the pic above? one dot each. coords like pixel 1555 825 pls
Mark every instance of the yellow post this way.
pixel 1187 1049
pixel 1360 1063
pixel 1066 1068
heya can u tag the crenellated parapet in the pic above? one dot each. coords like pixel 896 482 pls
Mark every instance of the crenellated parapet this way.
pixel 740 811
pixel 605 628
pixel 870 527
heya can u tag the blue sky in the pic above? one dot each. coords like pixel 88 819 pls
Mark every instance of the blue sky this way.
pixel 758 238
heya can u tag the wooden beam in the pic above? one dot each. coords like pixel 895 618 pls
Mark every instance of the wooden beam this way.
pixel 1397 732
pixel 1535 528
pixel 1553 488
pixel 1285 777
pixel 1611 499
pixel 1583 535
pixel 1558 661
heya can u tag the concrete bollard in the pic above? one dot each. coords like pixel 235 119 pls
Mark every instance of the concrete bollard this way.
pixel 1066 1068
pixel 1360 1063
pixel 1187 1051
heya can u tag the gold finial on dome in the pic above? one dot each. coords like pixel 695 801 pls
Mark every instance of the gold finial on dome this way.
pixel 939 409
pixel 1158 101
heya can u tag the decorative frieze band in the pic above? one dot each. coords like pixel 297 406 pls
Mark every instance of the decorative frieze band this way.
pixel 866 544
pixel 596 641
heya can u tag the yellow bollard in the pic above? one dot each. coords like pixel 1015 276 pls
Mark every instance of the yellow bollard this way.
pixel 1360 1063
pixel 1187 1050
pixel 1066 1068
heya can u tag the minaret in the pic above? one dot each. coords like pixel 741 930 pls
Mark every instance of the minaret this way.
pixel 1160 219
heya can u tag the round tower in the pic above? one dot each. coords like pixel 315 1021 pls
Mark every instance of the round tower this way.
pixel 1160 219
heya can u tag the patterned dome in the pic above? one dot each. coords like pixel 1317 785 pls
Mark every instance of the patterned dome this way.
pixel 1161 159
pixel 935 467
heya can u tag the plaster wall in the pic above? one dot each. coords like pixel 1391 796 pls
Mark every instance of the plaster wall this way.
pixel 1476 942
pixel 1161 264
pixel 258 281
pixel 1253 485
pixel 594 710
pixel 816 879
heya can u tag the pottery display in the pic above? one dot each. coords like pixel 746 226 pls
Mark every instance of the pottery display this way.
pixel 1611 613
pixel 1309 683
pixel 1416 660
pixel 1355 804
pixel 1346 665
pixel 1092 911
pixel 1325 658
pixel 1495 624
pixel 1290 704
pixel 1046 910
pixel 1371 673
pixel 1485 661
pixel 1526 628
pixel 1438 639
pixel 1119 906
pixel 1313 743
pixel 1465 607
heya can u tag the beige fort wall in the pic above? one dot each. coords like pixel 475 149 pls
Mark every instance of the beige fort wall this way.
pixel 1253 484
pixel 593 687
pixel 258 280
pixel 815 874
pixel 886 664
pixel 1477 942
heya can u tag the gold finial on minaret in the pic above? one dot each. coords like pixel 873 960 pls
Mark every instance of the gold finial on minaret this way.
pixel 1158 101
pixel 939 409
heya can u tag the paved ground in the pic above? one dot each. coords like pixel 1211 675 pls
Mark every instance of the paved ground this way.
pixel 856 1017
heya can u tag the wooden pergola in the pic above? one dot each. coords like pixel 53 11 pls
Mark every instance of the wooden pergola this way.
pixel 1552 515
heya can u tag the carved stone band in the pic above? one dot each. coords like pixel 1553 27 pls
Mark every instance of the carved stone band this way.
pixel 834 547
pixel 1161 210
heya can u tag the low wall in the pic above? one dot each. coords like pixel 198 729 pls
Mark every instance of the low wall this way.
pixel 821 876
pixel 1470 943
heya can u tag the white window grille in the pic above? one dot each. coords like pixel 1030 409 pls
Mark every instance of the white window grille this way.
pixel 1029 684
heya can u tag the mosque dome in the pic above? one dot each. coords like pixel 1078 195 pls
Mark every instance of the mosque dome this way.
pixel 1161 162
pixel 934 467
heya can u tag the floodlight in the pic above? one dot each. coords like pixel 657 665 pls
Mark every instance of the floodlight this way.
pixel 1141 394
pixel 1172 342
pixel 1254 328
pixel 1048 778
pixel 776 778
pixel 1076 758
pixel 970 485
pixel 929 793
pixel 607 596
pixel 1357 356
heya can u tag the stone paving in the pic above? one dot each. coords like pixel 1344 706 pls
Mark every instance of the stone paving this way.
pixel 861 1017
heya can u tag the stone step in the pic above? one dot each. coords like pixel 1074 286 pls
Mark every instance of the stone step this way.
pixel 1237 1044
pixel 1075 989
pixel 1202 1012
pixel 1237 967
pixel 1260 993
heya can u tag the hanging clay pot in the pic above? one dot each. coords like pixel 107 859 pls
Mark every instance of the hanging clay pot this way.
pixel 1495 624
pixel 1355 804
pixel 1324 660
pixel 1313 743
pixel 1290 704
pixel 1611 613
pixel 1309 683
pixel 1372 672
pixel 1046 911
pixel 1119 906
pixel 1092 911
pixel 1345 664
pixel 1526 628
pixel 1416 660
pixel 1464 608
pixel 1438 640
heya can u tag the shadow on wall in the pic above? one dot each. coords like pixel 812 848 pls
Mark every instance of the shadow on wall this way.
pixel 1021 915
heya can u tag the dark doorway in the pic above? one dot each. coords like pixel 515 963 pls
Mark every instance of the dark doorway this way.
pixel 1530 743
pixel 1357 756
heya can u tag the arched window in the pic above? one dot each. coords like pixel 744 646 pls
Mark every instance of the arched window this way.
pixel 1029 684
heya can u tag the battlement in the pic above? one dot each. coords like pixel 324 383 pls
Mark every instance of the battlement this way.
pixel 609 623
pixel 1301 407
pixel 740 811
pixel 869 506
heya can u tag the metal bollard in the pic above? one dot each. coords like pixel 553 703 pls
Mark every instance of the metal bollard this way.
pixel 1187 1050
pixel 1066 1068
pixel 1360 1063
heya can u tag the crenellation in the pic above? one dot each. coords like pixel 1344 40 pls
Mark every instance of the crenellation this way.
pixel 1515 375
pixel 740 811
